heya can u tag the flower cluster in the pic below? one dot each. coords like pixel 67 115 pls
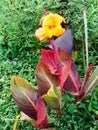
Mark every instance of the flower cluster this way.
pixel 51 26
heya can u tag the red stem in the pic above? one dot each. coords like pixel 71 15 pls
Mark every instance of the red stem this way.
pixel 46 12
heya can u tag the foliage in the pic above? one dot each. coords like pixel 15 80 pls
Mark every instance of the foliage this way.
pixel 82 115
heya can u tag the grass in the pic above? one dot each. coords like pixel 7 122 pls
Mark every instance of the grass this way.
pixel 19 54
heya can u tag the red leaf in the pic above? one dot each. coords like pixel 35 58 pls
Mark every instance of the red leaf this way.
pixel 64 74
pixel 73 82
pixel 50 58
pixel 44 78
pixel 42 121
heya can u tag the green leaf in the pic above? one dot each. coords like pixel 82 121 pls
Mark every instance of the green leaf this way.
pixel 53 98
pixel 24 96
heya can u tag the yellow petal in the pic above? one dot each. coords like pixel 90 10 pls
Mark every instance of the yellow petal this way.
pixel 52 20
pixel 48 20
pixel 57 31
pixel 60 19
pixel 42 33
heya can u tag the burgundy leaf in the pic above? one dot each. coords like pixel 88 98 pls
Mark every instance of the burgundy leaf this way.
pixel 64 42
pixel 42 121
pixel 44 78
pixel 73 82
pixel 64 73
pixel 24 96
pixel 50 58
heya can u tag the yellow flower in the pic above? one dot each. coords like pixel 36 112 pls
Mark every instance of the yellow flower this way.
pixel 51 26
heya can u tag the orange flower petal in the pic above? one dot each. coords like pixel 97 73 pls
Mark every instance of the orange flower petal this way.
pixel 42 33
pixel 51 26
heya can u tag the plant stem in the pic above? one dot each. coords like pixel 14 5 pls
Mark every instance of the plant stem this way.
pixel 86 36
pixel 83 52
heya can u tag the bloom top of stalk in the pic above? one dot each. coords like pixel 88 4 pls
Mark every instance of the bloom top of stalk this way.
pixel 51 26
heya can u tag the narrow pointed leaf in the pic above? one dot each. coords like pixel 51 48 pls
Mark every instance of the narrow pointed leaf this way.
pixel 64 42
pixel 92 82
pixel 24 96
pixel 86 78
pixel 73 83
pixel 44 78
pixel 64 74
pixel 53 98
pixel 42 121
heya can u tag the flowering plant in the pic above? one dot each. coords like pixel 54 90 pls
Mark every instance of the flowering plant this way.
pixel 56 72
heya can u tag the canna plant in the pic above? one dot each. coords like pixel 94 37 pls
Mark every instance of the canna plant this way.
pixel 55 73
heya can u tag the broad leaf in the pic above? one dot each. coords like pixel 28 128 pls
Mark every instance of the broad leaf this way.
pixel 44 78
pixel 53 98
pixel 50 58
pixel 92 82
pixel 42 121
pixel 24 96
pixel 64 42
pixel 68 76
